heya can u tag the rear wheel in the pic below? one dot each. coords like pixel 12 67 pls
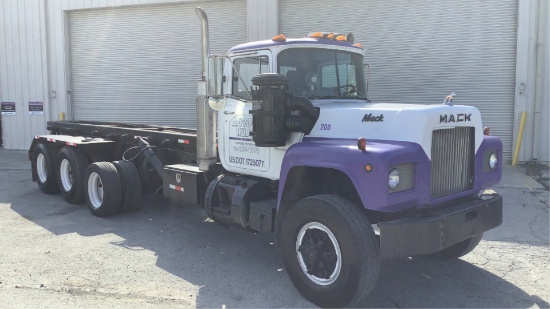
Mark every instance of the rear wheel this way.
pixel 71 166
pixel 131 185
pixel 43 165
pixel 103 189
pixel 457 250
pixel 330 251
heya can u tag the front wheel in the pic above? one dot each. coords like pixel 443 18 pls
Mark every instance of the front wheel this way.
pixel 330 251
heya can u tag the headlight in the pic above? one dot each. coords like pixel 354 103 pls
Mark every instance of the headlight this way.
pixel 393 181
pixel 493 160
pixel 401 177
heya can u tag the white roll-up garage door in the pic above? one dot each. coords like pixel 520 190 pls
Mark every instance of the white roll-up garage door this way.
pixel 141 64
pixel 420 51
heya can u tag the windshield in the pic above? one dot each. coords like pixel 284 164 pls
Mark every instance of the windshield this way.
pixel 323 73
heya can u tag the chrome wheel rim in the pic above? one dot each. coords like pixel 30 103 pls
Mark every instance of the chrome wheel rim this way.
pixel 95 190
pixel 318 253
pixel 65 172
pixel 41 168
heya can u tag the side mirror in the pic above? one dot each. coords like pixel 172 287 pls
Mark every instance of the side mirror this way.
pixel 215 77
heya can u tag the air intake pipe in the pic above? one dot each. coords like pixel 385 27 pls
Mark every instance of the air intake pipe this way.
pixel 268 110
pixel 272 117
pixel 206 117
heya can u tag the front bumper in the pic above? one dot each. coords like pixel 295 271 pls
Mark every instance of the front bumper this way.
pixel 444 228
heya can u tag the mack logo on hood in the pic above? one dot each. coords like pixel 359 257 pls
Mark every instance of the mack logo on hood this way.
pixel 371 118
pixel 454 118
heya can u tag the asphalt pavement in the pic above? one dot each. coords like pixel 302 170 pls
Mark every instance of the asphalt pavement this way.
pixel 57 255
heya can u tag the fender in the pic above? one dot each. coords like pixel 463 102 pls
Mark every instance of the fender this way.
pixel 372 187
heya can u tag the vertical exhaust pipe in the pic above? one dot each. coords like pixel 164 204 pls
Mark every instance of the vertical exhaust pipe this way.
pixel 205 41
pixel 206 117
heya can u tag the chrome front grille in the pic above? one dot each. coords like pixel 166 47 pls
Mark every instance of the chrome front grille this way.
pixel 452 161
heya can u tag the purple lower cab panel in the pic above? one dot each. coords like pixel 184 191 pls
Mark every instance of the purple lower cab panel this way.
pixel 343 155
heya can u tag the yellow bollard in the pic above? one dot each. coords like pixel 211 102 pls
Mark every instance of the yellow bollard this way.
pixel 519 137
pixel 61 116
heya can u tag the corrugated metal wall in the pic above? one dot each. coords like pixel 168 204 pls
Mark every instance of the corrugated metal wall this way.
pixel 141 64
pixel 58 45
pixel 419 51
pixel 542 96
pixel 33 61
pixel 263 19
pixel 533 80
pixel 30 27
pixel 23 71
pixel 20 69
pixel 544 126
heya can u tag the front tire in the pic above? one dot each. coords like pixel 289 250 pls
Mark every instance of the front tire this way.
pixel 71 166
pixel 457 250
pixel 330 251
pixel 103 189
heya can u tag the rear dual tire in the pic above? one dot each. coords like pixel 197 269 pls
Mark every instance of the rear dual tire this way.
pixel 71 167
pixel 43 165
pixel 131 185
pixel 112 188
pixel 103 189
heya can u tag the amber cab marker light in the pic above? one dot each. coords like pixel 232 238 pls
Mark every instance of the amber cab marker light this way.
pixel 368 168
pixel 486 131
pixel 279 38
pixel 362 144
pixel 316 35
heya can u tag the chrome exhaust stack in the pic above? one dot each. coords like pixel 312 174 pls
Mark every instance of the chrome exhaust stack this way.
pixel 206 117
pixel 205 41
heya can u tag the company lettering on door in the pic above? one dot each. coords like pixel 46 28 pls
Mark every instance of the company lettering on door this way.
pixel 242 150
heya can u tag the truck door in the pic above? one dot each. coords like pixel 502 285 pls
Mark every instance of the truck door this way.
pixel 239 153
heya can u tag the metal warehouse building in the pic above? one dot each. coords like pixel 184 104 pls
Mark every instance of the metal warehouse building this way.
pixel 138 61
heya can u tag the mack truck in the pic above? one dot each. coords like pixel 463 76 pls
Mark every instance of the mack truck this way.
pixel 288 143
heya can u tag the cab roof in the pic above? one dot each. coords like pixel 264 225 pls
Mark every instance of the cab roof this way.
pixel 301 41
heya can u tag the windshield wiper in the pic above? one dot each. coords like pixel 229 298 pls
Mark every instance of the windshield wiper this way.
pixel 362 96
pixel 353 89
pixel 324 97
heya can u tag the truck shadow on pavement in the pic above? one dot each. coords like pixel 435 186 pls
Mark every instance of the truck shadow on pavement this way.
pixel 236 268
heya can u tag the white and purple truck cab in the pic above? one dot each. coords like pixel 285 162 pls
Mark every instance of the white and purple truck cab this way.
pixel 355 181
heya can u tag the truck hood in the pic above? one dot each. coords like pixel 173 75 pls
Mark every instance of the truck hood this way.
pixel 393 121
